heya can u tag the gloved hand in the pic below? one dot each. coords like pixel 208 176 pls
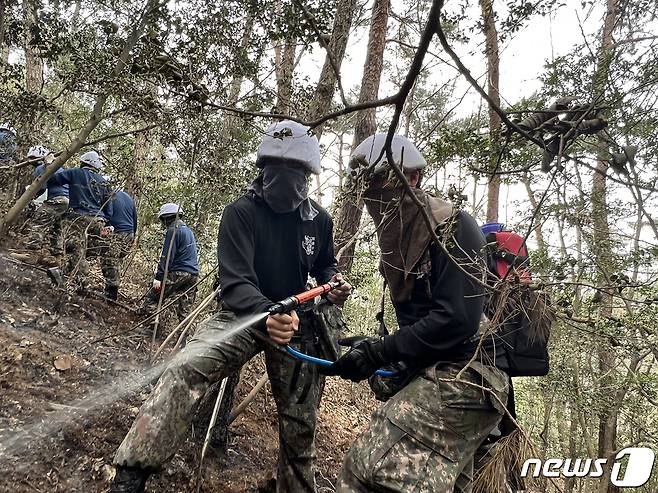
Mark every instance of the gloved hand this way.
pixel 157 285
pixel 365 357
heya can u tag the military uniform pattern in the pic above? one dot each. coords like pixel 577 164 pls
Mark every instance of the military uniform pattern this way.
pixel 83 240
pixel 424 438
pixel 116 247
pixel 215 352
pixel 177 285
pixel 46 226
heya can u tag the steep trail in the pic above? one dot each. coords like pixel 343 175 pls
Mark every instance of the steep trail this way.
pixel 48 364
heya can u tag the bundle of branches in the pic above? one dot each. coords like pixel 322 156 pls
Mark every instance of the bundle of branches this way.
pixel 560 125
pixel 499 469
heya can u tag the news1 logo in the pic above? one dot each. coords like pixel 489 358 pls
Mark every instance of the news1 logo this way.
pixel 639 465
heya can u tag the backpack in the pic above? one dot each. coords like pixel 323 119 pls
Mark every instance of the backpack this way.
pixel 521 316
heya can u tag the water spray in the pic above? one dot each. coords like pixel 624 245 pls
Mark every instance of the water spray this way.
pixel 292 302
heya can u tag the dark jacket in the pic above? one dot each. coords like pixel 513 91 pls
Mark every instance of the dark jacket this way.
pixel 446 306
pixel 265 257
pixel 183 256
pixel 54 190
pixel 124 213
pixel 89 193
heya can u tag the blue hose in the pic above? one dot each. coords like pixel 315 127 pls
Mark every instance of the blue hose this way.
pixel 326 362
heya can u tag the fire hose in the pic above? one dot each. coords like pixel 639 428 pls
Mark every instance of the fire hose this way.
pixel 292 302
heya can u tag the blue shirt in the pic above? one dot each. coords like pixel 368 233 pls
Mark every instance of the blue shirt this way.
pixel 183 255
pixel 124 213
pixel 53 189
pixel 89 193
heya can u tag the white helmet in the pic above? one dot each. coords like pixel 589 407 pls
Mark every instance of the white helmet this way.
pixel 92 159
pixel 290 140
pixel 170 209
pixel 7 126
pixel 38 152
pixel 371 150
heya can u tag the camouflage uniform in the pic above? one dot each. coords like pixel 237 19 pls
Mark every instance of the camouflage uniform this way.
pixel 83 240
pixel 46 226
pixel 177 283
pixel 424 438
pixel 116 247
pixel 214 353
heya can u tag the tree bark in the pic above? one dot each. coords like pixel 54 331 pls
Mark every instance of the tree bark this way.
pixel 33 86
pixel 4 49
pixel 33 63
pixel 133 183
pixel 285 64
pixel 324 91
pixel 601 248
pixel 350 206
pixel 493 78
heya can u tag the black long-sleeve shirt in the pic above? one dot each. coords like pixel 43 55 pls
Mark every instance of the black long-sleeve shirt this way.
pixel 444 311
pixel 265 257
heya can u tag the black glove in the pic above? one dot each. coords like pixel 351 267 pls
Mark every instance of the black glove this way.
pixel 386 387
pixel 365 357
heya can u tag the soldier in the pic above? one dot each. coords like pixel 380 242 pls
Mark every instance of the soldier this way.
pixel 46 225
pixel 119 241
pixel 446 402
pixel 7 142
pixel 7 155
pixel 179 261
pixel 270 240
pixel 90 208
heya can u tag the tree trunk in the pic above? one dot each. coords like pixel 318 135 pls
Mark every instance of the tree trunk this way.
pixel 285 64
pixel 324 91
pixel 350 205
pixel 493 77
pixel 601 248
pixel 33 85
pixel 133 183
pixel 33 63
pixel 4 48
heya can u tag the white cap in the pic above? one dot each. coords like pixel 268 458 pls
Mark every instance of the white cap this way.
pixel 290 140
pixel 92 159
pixel 8 127
pixel 170 209
pixel 38 151
pixel 372 151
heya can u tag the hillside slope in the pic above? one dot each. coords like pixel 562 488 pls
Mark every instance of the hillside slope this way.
pixel 62 414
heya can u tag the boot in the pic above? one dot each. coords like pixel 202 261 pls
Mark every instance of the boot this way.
pixel 112 292
pixel 129 480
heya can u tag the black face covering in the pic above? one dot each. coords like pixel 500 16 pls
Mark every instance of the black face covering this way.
pixel 284 188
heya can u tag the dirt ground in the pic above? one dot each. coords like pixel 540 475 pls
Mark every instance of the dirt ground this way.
pixel 54 438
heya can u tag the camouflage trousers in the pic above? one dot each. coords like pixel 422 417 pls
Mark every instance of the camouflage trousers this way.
pixel 177 285
pixel 83 240
pixel 215 352
pixel 46 226
pixel 423 440
pixel 115 248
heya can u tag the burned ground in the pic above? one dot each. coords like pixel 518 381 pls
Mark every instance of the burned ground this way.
pixel 54 437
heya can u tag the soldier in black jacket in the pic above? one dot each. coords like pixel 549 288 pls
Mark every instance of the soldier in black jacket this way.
pixel 270 240
pixel 425 436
